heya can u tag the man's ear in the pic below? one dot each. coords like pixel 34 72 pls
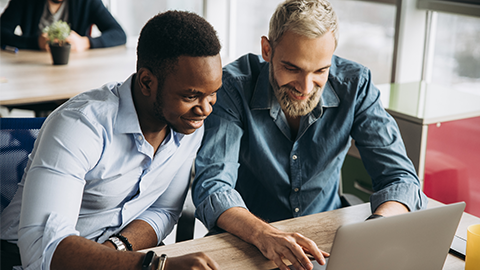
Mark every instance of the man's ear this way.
pixel 266 49
pixel 147 81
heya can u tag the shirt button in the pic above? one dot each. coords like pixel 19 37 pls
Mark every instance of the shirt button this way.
pixel 140 138
pixel 294 157
pixel 296 190
pixel 296 210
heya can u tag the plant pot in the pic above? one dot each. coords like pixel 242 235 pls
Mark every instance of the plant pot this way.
pixel 60 54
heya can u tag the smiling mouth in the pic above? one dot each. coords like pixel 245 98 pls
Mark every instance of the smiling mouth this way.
pixel 194 123
pixel 297 95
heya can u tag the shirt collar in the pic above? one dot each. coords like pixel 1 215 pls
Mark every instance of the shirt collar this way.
pixel 127 118
pixel 263 97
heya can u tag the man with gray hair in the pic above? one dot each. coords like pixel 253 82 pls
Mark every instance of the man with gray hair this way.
pixel 279 132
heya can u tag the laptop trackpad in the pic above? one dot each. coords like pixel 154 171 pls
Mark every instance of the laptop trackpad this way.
pixel 316 266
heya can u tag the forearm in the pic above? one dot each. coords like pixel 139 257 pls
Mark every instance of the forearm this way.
pixel 108 39
pixel 391 208
pixel 21 42
pixel 240 222
pixel 140 235
pixel 75 252
pixel 72 252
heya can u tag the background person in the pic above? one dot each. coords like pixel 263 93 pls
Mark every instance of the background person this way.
pixel 117 159
pixel 279 132
pixel 34 15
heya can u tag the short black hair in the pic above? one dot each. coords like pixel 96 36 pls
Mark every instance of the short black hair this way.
pixel 172 34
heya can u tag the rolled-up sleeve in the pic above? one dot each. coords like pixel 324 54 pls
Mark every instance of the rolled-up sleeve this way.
pixel 215 204
pixel 53 186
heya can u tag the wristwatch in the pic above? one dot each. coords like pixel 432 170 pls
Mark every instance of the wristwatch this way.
pixel 119 245
pixel 162 261
pixel 148 260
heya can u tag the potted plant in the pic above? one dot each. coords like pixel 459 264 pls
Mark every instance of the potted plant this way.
pixel 59 48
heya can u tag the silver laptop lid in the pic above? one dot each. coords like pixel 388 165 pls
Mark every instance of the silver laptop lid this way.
pixel 416 240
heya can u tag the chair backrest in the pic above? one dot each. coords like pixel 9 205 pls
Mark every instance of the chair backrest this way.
pixel 17 136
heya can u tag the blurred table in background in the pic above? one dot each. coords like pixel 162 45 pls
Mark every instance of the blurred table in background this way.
pixel 29 80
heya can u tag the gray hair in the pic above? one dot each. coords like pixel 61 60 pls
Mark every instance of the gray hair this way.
pixel 310 18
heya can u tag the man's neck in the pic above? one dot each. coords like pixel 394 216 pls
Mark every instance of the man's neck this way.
pixel 294 123
pixel 153 132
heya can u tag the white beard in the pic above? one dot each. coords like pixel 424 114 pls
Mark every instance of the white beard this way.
pixel 292 107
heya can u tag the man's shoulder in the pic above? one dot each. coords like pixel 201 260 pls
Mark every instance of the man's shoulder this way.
pixel 96 104
pixel 244 75
pixel 106 94
pixel 343 70
pixel 247 66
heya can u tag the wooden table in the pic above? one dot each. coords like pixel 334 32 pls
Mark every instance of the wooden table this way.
pixel 29 77
pixel 232 253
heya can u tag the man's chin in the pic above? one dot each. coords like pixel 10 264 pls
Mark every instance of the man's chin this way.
pixel 185 131
pixel 297 107
pixel 295 111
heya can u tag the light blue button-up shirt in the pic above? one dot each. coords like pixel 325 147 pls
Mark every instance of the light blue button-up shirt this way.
pixel 249 158
pixel 92 172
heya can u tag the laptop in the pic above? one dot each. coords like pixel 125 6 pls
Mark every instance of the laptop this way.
pixel 415 240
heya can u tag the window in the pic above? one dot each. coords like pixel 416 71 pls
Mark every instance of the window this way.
pixel 253 18
pixel 132 15
pixel 367 35
pixel 456 57
pixel 366 32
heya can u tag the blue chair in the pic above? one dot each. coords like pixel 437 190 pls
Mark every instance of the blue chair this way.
pixel 17 136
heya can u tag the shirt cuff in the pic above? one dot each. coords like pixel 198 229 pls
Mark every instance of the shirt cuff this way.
pixel 215 204
pixel 408 194
pixel 162 223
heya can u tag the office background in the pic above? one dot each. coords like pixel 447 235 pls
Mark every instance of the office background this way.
pixel 437 43
pixel 401 41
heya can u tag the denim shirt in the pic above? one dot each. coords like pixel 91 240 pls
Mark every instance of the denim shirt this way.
pixel 249 159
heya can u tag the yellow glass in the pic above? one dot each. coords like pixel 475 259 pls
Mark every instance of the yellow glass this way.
pixel 472 260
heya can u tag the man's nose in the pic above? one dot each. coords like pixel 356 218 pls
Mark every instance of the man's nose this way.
pixel 204 108
pixel 305 84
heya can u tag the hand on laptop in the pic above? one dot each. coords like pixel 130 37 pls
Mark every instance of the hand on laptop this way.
pixel 275 245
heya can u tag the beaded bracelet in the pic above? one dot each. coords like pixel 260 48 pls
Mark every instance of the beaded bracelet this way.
pixel 125 241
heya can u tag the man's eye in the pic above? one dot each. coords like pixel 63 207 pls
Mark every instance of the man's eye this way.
pixel 290 68
pixel 190 98
pixel 321 71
